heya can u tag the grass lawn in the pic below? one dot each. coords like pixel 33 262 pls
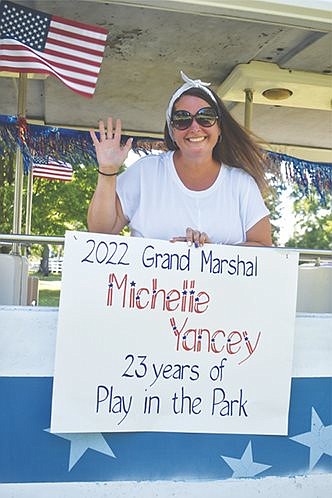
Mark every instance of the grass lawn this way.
pixel 49 289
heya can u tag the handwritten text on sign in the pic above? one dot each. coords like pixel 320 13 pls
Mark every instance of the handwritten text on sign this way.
pixel 155 336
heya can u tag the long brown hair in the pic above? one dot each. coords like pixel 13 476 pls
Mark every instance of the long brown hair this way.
pixel 238 147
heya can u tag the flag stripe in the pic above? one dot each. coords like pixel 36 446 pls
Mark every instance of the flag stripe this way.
pixel 74 43
pixel 66 49
pixel 70 50
pixel 55 56
pixel 52 171
pixel 83 89
pixel 13 68
pixel 11 51
pixel 88 79
pixel 98 44
pixel 79 27
pixel 30 61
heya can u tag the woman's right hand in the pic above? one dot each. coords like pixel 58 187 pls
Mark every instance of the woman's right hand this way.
pixel 110 153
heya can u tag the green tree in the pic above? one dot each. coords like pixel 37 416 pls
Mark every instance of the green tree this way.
pixel 6 193
pixel 56 206
pixel 273 202
pixel 313 227
pixel 60 206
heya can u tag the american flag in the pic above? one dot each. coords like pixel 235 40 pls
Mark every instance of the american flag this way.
pixel 51 169
pixel 34 42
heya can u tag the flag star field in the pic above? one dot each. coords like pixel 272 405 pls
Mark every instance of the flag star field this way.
pixel 26 26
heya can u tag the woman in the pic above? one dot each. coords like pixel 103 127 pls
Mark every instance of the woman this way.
pixel 205 189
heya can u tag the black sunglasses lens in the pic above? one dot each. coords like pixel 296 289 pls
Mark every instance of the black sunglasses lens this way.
pixel 181 120
pixel 206 117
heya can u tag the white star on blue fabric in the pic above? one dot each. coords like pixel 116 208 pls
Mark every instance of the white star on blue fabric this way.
pixel 245 466
pixel 79 443
pixel 319 439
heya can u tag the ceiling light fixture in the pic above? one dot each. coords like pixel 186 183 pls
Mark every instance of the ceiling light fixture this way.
pixel 310 90
pixel 277 93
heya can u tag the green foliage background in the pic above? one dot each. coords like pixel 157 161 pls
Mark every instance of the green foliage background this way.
pixel 56 207
pixel 313 228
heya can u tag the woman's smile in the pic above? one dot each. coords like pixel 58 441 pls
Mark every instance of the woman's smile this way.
pixel 195 139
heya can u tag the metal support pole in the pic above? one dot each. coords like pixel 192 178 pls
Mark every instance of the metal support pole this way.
pixel 248 107
pixel 18 188
pixel 28 214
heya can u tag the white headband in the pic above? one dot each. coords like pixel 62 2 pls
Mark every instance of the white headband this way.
pixel 186 86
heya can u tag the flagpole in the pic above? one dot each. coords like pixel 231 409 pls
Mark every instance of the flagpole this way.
pixel 18 187
pixel 248 106
pixel 28 214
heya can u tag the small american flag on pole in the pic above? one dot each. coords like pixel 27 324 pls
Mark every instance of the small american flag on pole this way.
pixel 34 42
pixel 51 170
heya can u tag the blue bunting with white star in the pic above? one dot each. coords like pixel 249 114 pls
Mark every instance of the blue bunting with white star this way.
pixel 30 453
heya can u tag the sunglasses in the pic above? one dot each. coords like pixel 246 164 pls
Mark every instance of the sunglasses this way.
pixel 206 117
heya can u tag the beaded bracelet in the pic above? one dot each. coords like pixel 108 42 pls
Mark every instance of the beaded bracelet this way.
pixel 107 174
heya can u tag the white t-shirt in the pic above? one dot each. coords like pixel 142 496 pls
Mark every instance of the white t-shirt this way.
pixel 158 205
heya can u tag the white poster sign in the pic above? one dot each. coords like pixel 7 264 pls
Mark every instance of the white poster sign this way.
pixel 159 336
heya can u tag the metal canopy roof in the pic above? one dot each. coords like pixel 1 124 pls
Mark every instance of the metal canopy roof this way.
pixel 151 41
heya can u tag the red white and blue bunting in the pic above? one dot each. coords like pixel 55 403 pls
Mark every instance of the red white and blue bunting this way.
pixel 75 147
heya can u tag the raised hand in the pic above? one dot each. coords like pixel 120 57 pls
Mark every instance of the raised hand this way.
pixel 110 153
